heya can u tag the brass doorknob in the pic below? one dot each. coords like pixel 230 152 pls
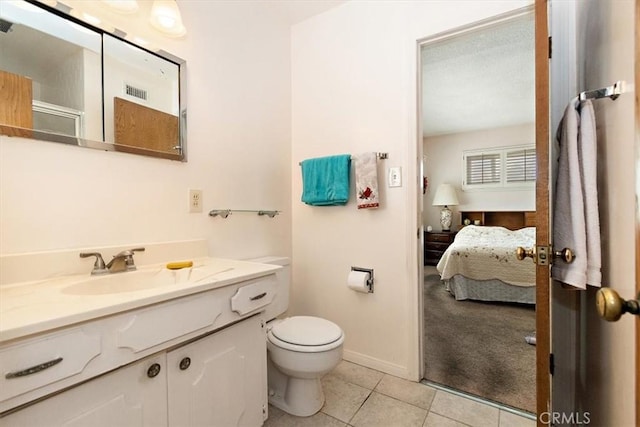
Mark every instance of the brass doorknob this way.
pixel 610 306
pixel 522 253
pixel 565 255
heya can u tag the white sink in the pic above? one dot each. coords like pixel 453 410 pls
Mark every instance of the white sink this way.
pixel 141 280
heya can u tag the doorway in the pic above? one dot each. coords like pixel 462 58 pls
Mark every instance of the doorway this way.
pixel 478 123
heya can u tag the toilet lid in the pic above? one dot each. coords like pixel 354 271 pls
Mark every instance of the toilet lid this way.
pixel 307 330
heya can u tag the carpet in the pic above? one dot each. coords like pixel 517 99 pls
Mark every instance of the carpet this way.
pixel 479 347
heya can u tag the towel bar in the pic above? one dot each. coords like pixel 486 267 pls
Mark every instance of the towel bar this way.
pixel 226 212
pixel 381 156
pixel 606 92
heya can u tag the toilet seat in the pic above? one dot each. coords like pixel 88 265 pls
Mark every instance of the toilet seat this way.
pixel 306 334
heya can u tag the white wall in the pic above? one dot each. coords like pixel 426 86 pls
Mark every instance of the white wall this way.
pixel 54 196
pixel 443 164
pixel 354 90
pixel 605 55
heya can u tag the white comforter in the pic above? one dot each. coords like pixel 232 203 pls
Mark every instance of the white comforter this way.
pixel 484 253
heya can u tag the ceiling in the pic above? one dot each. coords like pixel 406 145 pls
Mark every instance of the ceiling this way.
pixel 299 10
pixel 480 79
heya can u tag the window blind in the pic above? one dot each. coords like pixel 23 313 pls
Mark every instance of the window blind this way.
pixel 483 168
pixel 520 165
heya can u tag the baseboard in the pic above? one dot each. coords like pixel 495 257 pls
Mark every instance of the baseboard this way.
pixel 377 364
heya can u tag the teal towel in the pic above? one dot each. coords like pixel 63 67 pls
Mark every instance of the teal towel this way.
pixel 325 180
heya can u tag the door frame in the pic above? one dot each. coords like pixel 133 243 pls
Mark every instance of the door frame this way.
pixel 543 311
pixel 637 144
pixel 542 111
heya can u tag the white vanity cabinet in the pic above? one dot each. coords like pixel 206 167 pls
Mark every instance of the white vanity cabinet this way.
pixel 220 380
pixel 125 397
pixel 217 380
pixel 189 359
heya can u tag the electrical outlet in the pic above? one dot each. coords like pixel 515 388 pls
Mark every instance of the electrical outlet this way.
pixel 195 201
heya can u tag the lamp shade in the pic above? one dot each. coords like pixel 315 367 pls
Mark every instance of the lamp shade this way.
pixel 165 17
pixel 445 196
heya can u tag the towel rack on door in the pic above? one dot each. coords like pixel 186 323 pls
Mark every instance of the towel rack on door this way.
pixel 612 92
pixel 382 156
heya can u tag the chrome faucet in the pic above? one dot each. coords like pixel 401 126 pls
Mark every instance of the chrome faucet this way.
pixel 98 266
pixel 122 261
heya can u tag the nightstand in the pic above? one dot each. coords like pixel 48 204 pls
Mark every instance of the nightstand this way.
pixel 435 243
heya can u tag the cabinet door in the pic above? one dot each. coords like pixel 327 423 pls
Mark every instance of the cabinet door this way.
pixel 15 105
pixel 128 396
pixel 220 380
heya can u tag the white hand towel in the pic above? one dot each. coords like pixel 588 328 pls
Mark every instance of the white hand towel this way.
pixel 588 154
pixel 575 217
pixel 366 166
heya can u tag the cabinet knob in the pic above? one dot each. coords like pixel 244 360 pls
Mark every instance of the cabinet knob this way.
pixel 185 363
pixel 153 370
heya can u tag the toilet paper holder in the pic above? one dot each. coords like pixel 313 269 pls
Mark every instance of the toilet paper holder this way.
pixel 369 280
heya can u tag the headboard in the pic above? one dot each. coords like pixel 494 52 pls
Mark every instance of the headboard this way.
pixel 512 220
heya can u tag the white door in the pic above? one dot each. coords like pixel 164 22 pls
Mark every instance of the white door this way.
pixel 132 396
pixel 220 380
pixel 606 33
pixel 595 363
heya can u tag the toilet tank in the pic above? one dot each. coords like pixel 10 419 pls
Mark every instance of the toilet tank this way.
pixel 280 302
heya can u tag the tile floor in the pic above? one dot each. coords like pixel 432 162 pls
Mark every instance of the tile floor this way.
pixel 358 396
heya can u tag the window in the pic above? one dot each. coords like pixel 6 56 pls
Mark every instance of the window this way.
pixel 521 165
pixel 483 168
pixel 499 168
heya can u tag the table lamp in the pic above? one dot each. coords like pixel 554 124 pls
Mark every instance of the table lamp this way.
pixel 445 196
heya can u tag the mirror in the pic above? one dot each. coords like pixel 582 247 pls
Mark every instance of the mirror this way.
pixel 141 97
pixel 62 80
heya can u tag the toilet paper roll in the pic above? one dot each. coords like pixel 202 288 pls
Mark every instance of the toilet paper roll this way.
pixel 358 281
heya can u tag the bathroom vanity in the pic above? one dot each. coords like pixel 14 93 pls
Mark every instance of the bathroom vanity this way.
pixel 183 347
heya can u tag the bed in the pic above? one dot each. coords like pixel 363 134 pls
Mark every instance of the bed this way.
pixel 481 264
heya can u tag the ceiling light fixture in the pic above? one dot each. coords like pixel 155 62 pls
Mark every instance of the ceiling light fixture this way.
pixel 123 6
pixel 165 17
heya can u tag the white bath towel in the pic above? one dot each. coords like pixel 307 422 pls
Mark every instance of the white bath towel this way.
pixel 576 218
pixel 366 166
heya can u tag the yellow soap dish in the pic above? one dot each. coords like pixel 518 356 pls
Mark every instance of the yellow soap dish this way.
pixel 179 264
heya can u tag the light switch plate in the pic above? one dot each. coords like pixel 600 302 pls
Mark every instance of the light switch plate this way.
pixel 395 176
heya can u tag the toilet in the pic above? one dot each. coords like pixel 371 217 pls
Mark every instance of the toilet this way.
pixel 300 350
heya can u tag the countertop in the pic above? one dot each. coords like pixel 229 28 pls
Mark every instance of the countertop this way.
pixel 35 307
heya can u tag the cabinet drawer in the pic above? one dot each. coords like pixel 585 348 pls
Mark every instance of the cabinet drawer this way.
pixel 436 246
pixel 432 254
pixel 153 326
pixel 436 237
pixel 254 295
pixel 45 360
